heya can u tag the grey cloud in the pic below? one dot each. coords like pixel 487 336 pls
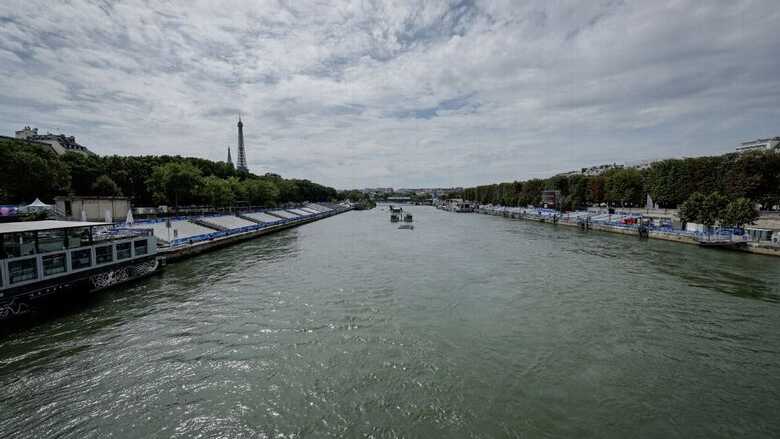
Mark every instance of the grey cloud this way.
pixel 367 93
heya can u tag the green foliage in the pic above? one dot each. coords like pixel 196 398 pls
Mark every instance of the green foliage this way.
pixel 712 209
pixel 690 210
pixel 716 209
pixel 261 192
pixel 28 172
pixel 755 176
pixel 176 183
pixel 739 212
pixel 217 191
pixel 105 186
pixel 624 187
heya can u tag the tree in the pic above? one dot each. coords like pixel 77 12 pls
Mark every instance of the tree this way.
pixel 713 208
pixel 261 192
pixel 217 192
pixel 29 171
pixel 597 192
pixel 176 182
pixel 690 210
pixel 706 210
pixel 105 186
pixel 238 188
pixel 739 212
pixel 624 186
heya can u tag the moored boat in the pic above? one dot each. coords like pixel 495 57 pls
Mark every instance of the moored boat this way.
pixel 43 259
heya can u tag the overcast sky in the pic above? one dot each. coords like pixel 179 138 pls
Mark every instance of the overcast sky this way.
pixel 396 93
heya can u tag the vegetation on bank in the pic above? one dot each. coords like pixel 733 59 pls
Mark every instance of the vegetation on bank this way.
pixel 361 200
pixel 753 176
pixel 28 171
pixel 716 208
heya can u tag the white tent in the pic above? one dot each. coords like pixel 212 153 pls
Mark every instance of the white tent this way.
pixel 129 219
pixel 36 206
pixel 39 203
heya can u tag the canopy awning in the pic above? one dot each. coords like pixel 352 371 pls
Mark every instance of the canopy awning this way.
pixel 39 203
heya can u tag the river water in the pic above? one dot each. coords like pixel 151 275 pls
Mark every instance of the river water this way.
pixel 467 326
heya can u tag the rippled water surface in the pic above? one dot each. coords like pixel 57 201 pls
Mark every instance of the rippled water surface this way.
pixel 467 326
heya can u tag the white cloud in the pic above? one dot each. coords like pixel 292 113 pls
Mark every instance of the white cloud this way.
pixel 402 93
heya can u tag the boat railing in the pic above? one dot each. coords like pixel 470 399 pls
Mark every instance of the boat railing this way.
pixel 27 269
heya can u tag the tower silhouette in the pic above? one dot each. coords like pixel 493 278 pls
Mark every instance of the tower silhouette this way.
pixel 241 162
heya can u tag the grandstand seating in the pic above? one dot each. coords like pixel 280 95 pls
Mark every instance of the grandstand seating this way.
pixel 227 222
pixel 283 214
pixel 183 229
pixel 318 207
pixel 262 217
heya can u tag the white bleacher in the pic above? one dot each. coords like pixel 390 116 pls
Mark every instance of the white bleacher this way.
pixel 299 212
pixel 318 207
pixel 227 222
pixel 262 217
pixel 306 209
pixel 283 214
pixel 184 229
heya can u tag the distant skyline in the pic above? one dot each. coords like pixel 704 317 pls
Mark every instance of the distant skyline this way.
pixel 356 94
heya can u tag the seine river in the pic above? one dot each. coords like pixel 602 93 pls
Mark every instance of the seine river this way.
pixel 467 326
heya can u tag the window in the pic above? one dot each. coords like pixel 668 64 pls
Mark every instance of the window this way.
pixel 51 241
pixel 19 244
pixel 123 251
pixel 22 270
pixel 78 237
pixel 53 264
pixel 103 254
pixel 141 247
pixel 81 258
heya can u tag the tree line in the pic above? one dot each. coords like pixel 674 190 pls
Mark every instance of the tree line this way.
pixel 28 171
pixel 753 176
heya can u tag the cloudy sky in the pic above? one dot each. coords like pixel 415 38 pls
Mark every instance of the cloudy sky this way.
pixel 396 93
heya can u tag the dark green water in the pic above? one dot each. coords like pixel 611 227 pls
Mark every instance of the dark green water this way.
pixel 468 326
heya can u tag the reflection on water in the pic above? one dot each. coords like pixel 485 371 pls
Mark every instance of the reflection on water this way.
pixel 468 326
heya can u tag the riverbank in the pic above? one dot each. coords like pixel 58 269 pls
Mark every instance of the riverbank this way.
pixel 606 223
pixel 195 248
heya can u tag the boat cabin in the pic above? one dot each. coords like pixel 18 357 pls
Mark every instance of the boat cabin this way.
pixel 35 251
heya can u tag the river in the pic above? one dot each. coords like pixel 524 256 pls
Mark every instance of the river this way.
pixel 467 326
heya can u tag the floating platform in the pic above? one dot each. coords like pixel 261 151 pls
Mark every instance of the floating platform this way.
pixel 723 244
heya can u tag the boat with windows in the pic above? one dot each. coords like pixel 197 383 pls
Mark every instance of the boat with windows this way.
pixel 43 259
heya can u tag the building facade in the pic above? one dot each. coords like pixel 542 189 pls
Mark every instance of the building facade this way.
pixel 760 145
pixel 93 208
pixel 59 143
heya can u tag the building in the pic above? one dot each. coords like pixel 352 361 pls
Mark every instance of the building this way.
pixel 93 208
pixel 760 145
pixel 241 163
pixel 59 143
pixel 230 159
